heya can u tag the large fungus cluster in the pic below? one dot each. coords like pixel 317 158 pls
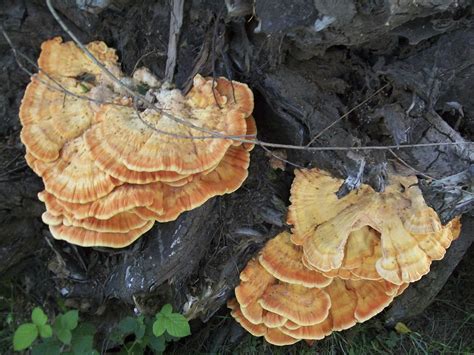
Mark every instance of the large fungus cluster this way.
pixel 111 169
pixel 344 262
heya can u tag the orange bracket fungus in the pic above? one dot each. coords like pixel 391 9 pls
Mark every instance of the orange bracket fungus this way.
pixel 392 233
pixel 344 262
pixel 111 170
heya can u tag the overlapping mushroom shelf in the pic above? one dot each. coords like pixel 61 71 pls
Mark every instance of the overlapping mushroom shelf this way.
pixel 111 170
pixel 344 262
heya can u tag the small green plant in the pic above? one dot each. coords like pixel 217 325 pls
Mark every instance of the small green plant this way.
pixel 64 336
pixel 136 334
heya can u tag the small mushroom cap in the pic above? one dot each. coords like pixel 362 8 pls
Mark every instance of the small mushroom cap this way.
pixel 50 118
pixel 87 238
pixel 403 259
pixel 120 223
pixel 255 329
pixel 312 332
pixel 141 148
pixel 66 59
pixel 52 204
pixel 276 337
pixel 74 177
pixel 253 312
pixel 123 198
pixel 306 306
pixel 238 95
pixel 51 219
pixel 273 320
pixel 291 325
pixel 254 281
pixel 282 259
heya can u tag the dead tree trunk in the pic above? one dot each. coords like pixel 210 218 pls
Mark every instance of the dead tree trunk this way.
pixel 308 65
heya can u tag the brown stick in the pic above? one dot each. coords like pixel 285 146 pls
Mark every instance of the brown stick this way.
pixel 176 21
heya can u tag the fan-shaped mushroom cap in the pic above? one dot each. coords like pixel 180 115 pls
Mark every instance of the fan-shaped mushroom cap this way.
pixel 314 201
pixel 50 117
pixel 74 177
pixel 238 95
pixel 226 178
pixel 141 148
pixel 87 238
pixel 107 161
pixel 51 219
pixel 312 332
pixel 362 251
pixel 122 198
pixel 255 314
pixel 66 59
pixel 254 281
pixel 120 223
pixel 324 232
pixel 306 306
pixel 343 305
pixel 255 329
pixel 276 337
pixel 273 320
pixel 282 259
pixel 52 205
pixel 372 297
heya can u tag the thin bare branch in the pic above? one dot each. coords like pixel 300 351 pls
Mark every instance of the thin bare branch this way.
pixel 276 156
pixel 403 162
pixel 345 115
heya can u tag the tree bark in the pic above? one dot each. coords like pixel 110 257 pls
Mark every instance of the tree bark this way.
pixel 308 64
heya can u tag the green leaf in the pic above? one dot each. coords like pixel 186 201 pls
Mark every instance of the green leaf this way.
pixel 128 325
pixel 70 319
pixel 140 331
pixel 84 329
pixel 159 326
pixel 49 346
pixel 167 309
pixel 45 330
pixel 38 317
pixel 24 336
pixel 82 344
pixel 157 344
pixel 64 335
pixel 177 325
pixel 83 339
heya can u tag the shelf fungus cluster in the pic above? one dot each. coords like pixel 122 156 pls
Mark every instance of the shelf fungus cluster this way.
pixel 344 261
pixel 112 168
